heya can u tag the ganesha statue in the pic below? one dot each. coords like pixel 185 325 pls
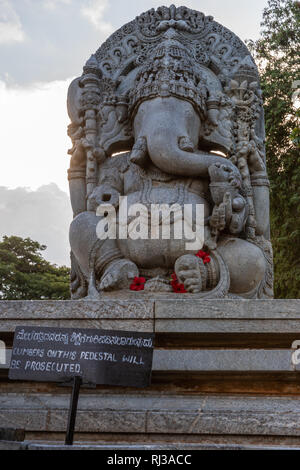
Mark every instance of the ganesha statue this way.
pixel 168 112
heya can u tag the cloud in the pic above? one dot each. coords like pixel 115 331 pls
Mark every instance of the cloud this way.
pixel 94 11
pixel 59 40
pixel 10 25
pixel 34 141
pixel 43 215
pixel 51 4
pixel 47 40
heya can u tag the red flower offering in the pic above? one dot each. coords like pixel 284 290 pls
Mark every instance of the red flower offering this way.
pixel 204 256
pixel 138 284
pixel 178 288
pixel 201 254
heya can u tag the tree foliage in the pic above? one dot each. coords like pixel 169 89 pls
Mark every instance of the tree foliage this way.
pixel 26 275
pixel 277 54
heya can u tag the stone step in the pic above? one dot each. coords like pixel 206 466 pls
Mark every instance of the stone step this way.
pixel 158 447
pixel 114 448
pixel 204 384
pixel 212 360
pixel 120 413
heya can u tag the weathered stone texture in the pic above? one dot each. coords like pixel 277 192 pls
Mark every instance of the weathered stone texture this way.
pixel 166 409
pixel 192 89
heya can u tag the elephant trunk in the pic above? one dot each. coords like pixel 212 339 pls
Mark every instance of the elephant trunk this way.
pixel 166 154
pixel 170 129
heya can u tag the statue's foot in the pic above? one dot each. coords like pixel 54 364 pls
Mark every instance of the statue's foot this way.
pixel 158 284
pixel 118 275
pixel 188 272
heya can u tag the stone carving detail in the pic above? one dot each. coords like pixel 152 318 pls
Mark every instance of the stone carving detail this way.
pixel 169 110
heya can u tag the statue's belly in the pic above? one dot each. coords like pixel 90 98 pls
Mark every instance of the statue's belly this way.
pixel 161 252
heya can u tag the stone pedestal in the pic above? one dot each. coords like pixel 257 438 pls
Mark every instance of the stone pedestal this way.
pixel 222 374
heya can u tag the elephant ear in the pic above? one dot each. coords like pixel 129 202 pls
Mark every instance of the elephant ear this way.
pixel 73 100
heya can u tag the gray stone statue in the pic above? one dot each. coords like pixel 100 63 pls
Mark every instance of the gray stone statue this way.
pixel 169 111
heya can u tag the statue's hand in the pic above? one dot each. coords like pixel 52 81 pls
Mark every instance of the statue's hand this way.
pixel 255 161
pixel 248 158
pixel 78 153
pixel 239 215
pixel 104 194
pixel 222 214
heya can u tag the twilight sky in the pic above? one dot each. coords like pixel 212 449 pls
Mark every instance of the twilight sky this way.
pixel 43 45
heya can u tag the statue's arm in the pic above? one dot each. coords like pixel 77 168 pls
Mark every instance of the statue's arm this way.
pixel 110 184
pixel 261 200
pixel 249 159
pixel 77 170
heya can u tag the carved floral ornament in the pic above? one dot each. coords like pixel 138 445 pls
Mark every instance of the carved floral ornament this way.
pixel 180 56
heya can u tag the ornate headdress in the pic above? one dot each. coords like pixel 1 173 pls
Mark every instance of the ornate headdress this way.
pixel 169 71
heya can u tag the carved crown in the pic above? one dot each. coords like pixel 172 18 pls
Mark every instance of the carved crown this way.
pixel 169 71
